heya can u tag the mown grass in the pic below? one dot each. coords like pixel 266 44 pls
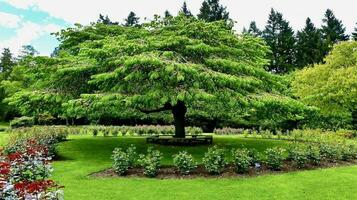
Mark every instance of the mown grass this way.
pixel 82 155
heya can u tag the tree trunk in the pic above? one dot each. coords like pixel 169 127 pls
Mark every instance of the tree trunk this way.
pixel 179 112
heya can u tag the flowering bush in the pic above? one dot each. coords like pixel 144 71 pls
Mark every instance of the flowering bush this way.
pixel 24 172
pixel 242 160
pixel 120 161
pixel 184 162
pixel 275 158
pixel 214 160
pixel 150 162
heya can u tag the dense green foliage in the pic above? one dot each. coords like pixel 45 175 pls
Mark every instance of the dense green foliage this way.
pixel 332 86
pixel 106 73
pixel 309 45
pixel 211 11
pixel 280 37
pixel 132 20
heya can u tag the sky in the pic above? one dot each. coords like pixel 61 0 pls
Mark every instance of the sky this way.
pixel 24 22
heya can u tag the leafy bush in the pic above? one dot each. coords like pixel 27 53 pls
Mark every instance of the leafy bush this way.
pixel 330 152
pixel 184 162
pixel 22 122
pixel 121 161
pixel 25 172
pixel 214 160
pixel 131 152
pixel 299 155
pixel 274 158
pixel 241 160
pixel 348 152
pixel 43 135
pixel 150 162
pixel 228 131
pixel 313 154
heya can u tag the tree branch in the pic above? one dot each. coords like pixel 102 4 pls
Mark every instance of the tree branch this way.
pixel 167 106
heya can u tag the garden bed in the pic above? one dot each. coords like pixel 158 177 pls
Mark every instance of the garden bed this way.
pixel 171 172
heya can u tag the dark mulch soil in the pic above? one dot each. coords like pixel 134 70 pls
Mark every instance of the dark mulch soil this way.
pixel 170 172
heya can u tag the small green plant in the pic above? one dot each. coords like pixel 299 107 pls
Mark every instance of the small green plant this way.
pixel 274 158
pixel 184 162
pixel 121 161
pixel 241 160
pixel 150 162
pixel 313 154
pixel 214 160
pixel 299 155
pixel 131 151
pixel 330 152
pixel 348 152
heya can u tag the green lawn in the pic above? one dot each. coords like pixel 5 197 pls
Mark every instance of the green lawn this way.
pixel 83 155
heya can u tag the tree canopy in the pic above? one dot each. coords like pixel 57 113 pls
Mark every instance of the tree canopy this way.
pixel 331 86
pixel 184 66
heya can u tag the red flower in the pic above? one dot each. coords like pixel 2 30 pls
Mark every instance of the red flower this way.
pixel 14 156
pixel 4 168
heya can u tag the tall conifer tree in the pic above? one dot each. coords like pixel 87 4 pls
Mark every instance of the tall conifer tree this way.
pixel 333 30
pixel 280 37
pixel 309 45
pixel 211 10
pixel 132 19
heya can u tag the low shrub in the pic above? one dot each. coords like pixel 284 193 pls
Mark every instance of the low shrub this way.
pixel 299 155
pixel 25 172
pixel 132 155
pixel 214 160
pixel 228 131
pixel 184 162
pixel 330 152
pixel 44 136
pixel 313 154
pixel 348 152
pixel 121 161
pixel 150 162
pixel 241 160
pixel 22 122
pixel 274 158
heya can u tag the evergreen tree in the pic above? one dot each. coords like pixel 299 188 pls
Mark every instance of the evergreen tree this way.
pixel 333 30
pixel 167 14
pixel 211 10
pixel 354 34
pixel 6 62
pixel 106 20
pixel 280 37
pixel 132 19
pixel 253 29
pixel 185 11
pixel 309 45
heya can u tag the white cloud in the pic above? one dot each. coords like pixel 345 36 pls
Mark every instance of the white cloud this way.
pixel 27 33
pixel 85 11
pixel 9 20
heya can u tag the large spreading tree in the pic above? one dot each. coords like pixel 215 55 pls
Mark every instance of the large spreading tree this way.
pixel 181 66
pixel 332 86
